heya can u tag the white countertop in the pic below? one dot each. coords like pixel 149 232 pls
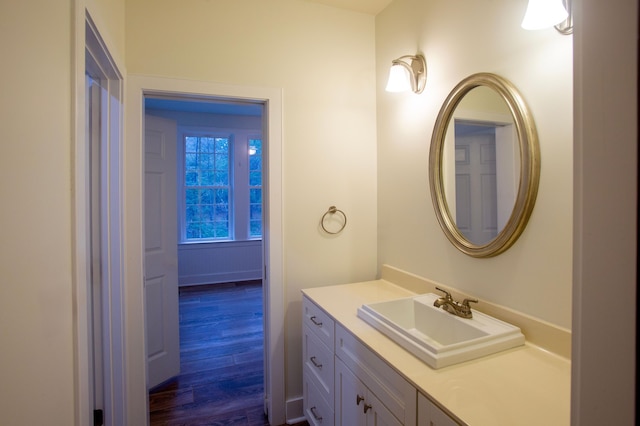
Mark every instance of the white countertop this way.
pixel 521 386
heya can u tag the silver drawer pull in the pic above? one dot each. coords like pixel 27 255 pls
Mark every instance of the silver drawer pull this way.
pixel 314 362
pixel 315 415
pixel 313 320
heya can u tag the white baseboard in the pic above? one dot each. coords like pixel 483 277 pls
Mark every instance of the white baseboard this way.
pixel 212 263
pixel 216 278
pixel 294 411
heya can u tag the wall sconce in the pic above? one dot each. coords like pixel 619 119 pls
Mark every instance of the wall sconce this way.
pixel 407 72
pixel 546 13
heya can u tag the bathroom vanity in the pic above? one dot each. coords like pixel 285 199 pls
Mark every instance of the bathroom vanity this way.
pixel 355 375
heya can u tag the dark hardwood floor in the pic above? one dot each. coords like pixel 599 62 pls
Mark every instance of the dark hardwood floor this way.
pixel 221 355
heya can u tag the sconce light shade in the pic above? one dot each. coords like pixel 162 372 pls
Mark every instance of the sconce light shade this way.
pixel 542 14
pixel 399 79
pixel 407 72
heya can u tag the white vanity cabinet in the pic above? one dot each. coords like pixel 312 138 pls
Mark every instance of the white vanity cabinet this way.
pixel 345 383
pixel 318 364
pixel 430 415
pixel 369 369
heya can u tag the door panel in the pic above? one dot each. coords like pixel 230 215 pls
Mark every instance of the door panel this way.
pixel 161 251
pixel 379 415
pixel 476 195
pixel 350 397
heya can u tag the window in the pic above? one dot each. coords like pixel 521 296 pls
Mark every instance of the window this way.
pixel 221 185
pixel 207 187
pixel 255 188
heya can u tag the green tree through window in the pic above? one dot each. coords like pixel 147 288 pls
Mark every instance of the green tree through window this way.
pixel 207 187
pixel 255 188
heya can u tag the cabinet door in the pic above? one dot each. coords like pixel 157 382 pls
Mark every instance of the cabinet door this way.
pixel 355 404
pixel 430 415
pixel 398 395
pixel 350 396
pixel 378 414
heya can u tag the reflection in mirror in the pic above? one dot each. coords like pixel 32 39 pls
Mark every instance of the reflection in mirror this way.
pixel 481 165
pixel 484 165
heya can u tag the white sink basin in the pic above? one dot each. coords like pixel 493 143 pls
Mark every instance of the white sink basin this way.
pixel 437 337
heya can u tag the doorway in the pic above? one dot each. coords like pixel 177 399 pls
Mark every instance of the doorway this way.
pixel 137 88
pixel 203 214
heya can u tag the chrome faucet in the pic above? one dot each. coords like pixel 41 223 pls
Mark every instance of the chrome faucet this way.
pixel 447 303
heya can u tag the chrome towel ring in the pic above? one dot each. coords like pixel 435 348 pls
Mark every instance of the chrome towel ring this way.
pixel 333 210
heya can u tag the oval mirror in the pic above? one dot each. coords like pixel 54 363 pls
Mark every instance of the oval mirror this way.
pixel 484 165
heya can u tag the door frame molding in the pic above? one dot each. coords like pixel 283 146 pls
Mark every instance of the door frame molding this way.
pixel 87 39
pixel 137 86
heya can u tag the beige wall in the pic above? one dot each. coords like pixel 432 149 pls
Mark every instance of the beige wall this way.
pixel 323 59
pixel 108 16
pixel 36 360
pixel 458 39
pixel 35 107
pixel 36 289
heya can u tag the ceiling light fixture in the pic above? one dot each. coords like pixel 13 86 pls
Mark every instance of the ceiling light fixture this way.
pixel 542 14
pixel 407 72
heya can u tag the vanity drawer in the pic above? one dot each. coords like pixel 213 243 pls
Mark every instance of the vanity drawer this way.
pixel 318 362
pixel 316 409
pixel 321 324
pixel 397 394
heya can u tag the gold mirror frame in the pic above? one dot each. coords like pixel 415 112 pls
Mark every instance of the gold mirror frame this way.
pixel 529 165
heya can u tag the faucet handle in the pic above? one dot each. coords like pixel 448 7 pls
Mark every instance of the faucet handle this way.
pixel 465 309
pixel 446 293
pixel 466 302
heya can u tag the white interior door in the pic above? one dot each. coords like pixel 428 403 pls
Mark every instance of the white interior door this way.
pixel 161 250
pixel 476 195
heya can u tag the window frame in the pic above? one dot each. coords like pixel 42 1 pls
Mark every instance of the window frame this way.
pixel 239 213
pixel 251 137
pixel 183 133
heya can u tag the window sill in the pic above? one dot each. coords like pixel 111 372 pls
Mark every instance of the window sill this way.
pixel 229 242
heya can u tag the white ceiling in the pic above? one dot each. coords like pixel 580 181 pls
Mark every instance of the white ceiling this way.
pixel 371 7
pixel 210 106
